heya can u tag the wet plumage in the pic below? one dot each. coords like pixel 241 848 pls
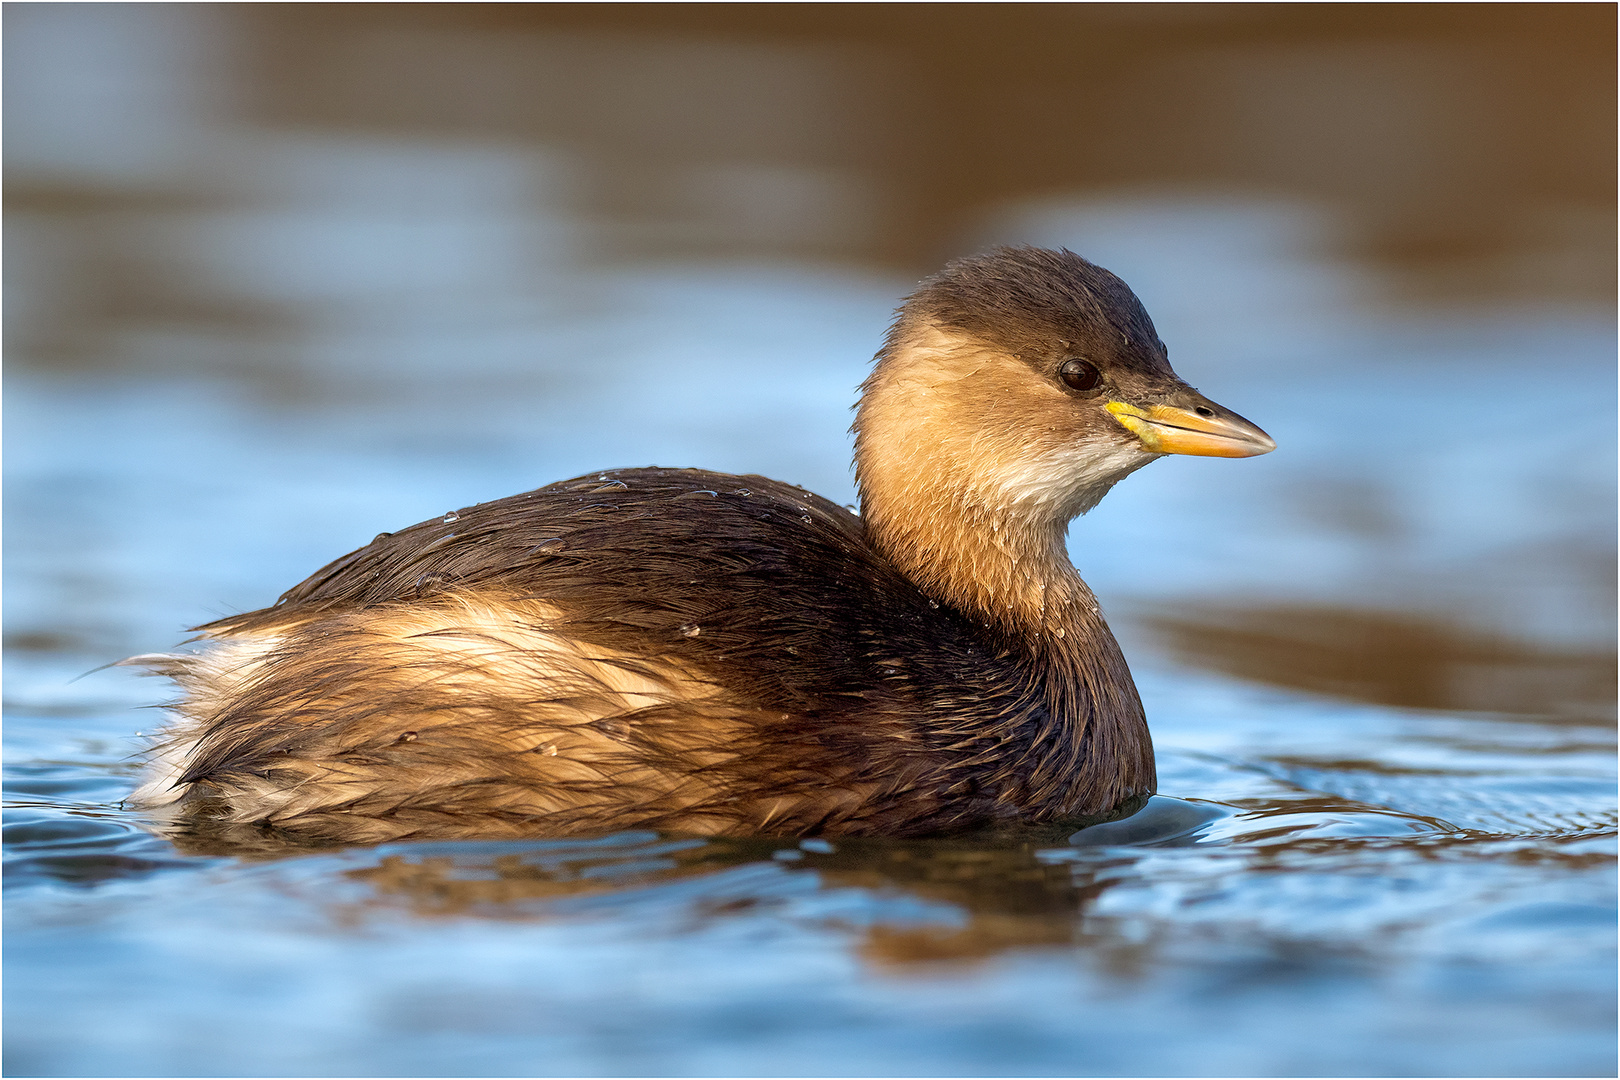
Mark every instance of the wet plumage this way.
pixel 715 654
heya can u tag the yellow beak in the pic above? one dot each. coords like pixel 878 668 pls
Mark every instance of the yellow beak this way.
pixel 1166 429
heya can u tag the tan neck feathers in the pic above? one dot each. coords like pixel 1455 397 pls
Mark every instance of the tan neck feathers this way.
pixel 960 491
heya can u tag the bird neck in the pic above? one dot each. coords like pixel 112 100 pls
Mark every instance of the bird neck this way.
pixel 1000 568
pixel 951 493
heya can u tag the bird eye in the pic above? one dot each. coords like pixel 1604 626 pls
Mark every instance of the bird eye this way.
pixel 1080 374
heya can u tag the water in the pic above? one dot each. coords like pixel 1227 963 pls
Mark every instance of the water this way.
pixel 282 276
pixel 1378 666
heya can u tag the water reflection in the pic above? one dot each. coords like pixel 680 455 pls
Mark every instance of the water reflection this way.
pixel 1394 658
pixel 959 899
pixel 925 901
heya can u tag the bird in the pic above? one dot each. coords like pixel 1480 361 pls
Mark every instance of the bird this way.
pixel 708 654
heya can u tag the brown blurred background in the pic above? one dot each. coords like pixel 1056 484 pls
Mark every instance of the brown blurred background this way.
pixel 1450 131
pixel 1468 149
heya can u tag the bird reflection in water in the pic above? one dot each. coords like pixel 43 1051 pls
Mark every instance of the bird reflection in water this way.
pixel 976 899
pixel 957 899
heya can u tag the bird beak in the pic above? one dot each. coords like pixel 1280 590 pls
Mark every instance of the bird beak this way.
pixel 1167 429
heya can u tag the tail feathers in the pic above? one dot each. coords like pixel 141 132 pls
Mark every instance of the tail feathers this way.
pixel 167 761
pixel 169 754
pixel 171 665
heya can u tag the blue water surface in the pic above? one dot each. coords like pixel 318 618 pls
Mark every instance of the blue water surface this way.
pixel 1355 882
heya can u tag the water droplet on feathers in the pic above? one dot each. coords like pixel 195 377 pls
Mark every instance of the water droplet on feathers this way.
pixel 452 516
pixel 807 519
pixel 699 495
pixel 548 546
pixel 691 630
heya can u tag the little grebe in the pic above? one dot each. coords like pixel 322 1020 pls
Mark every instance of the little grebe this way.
pixel 703 653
